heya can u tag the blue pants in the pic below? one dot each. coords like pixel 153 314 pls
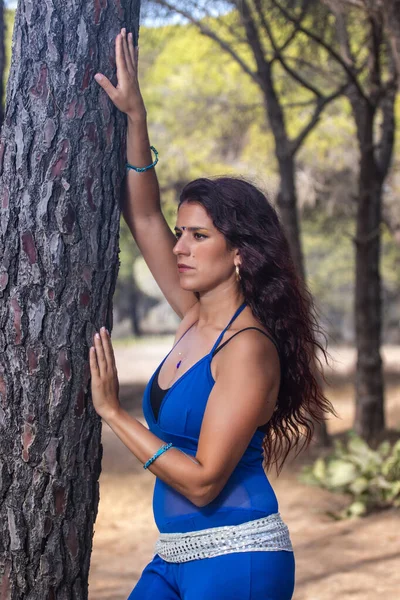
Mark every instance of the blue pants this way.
pixel 236 576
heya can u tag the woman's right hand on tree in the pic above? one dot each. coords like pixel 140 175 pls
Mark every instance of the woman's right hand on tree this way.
pixel 126 96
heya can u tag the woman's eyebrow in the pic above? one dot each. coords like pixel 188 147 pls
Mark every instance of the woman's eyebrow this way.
pixel 190 228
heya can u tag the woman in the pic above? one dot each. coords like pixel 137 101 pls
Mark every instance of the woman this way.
pixel 237 381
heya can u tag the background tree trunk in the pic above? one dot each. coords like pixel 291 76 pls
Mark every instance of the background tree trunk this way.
pixel 288 209
pixel 2 58
pixel 375 160
pixel 61 168
pixel 393 26
pixel 369 418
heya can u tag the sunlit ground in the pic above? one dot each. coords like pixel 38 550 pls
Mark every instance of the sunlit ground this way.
pixel 335 560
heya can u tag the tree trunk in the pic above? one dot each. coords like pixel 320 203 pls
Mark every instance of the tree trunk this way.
pixel 287 197
pixel 288 209
pixel 2 59
pixel 392 18
pixel 369 419
pixel 61 169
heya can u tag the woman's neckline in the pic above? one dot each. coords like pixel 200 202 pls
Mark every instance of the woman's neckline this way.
pixel 156 374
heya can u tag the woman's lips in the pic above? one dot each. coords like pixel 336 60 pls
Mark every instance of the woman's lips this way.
pixel 184 268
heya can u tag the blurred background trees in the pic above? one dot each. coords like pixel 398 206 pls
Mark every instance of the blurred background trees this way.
pixel 315 52
pixel 367 59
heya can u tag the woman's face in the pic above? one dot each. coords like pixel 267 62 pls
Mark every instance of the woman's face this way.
pixel 204 261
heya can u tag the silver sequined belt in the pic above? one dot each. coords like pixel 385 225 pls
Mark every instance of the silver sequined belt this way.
pixel 265 534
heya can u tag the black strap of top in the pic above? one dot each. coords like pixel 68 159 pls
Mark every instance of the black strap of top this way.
pixel 246 328
pixel 157 394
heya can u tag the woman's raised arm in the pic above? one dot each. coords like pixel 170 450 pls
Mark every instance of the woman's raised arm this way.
pixel 140 201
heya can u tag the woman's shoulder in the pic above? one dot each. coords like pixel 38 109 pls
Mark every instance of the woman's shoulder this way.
pixel 246 351
pixel 247 337
pixel 248 322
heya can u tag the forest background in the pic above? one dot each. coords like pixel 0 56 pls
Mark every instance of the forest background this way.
pixel 206 118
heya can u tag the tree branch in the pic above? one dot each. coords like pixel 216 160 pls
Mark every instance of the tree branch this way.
pixel 221 21
pixel 322 102
pixel 301 62
pixel 349 71
pixel 392 22
pixel 205 30
pixel 295 31
pixel 342 33
pixel 252 35
pixel 278 53
pixel 386 142
pixel 376 39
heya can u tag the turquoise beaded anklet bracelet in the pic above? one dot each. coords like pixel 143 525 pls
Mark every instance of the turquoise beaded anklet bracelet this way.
pixel 157 454
pixel 143 169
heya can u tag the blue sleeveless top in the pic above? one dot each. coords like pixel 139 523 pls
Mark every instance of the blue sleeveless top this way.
pixel 246 496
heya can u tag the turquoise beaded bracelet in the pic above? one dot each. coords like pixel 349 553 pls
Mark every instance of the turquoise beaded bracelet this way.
pixel 157 454
pixel 143 169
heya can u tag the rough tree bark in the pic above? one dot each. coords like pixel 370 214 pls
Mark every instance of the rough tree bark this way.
pixel 61 168
pixel 2 58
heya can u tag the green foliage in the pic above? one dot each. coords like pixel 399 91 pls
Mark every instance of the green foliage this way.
pixel 370 477
pixel 328 247
pixel 129 251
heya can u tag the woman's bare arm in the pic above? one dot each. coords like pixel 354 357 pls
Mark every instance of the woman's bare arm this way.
pixel 140 201
pixel 242 398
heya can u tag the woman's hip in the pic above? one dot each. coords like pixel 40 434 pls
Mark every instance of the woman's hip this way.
pixel 240 576
pixel 264 575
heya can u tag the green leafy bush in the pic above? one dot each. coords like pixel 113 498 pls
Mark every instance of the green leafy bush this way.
pixel 370 477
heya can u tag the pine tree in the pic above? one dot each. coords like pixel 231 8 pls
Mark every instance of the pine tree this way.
pixel 61 169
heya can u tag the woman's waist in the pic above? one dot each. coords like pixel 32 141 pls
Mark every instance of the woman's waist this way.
pixel 236 504
pixel 268 533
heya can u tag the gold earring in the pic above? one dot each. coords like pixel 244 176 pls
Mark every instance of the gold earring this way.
pixel 237 273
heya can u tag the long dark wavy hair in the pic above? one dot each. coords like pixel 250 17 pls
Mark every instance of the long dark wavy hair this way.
pixel 279 300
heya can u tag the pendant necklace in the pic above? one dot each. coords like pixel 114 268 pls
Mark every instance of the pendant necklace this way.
pixel 178 364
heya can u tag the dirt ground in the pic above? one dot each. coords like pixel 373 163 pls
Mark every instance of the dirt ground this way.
pixel 354 560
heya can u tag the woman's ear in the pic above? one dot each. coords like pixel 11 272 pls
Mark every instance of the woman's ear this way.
pixel 238 259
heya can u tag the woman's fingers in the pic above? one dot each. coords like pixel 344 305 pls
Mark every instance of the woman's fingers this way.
pixel 126 95
pixel 125 48
pixel 101 358
pixel 93 362
pixel 106 85
pixel 120 59
pixel 107 347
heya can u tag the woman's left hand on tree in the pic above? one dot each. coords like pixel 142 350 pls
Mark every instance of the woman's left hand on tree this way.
pixel 105 386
